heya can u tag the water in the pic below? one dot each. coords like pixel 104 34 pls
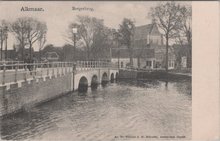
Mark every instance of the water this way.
pixel 132 110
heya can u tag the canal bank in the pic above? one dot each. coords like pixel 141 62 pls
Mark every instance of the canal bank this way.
pixel 155 75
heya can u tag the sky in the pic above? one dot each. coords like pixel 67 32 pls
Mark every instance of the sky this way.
pixel 58 15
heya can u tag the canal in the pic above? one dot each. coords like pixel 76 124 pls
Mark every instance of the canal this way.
pixel 131 110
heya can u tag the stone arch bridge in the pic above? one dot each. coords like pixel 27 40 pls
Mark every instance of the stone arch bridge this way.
pixel 24 85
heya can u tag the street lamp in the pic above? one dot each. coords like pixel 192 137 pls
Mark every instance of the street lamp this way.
pixel 117 38
pixel 1 34
pixel 74 36
pixel 6 45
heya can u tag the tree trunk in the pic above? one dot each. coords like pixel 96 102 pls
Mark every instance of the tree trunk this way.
pixel 1 48
pixel 88 53
pixel 1 44
pixel 130 55
pixel 167 44
pixel 30 51
pixel 22 49
pixel 40 55
pixel 6 49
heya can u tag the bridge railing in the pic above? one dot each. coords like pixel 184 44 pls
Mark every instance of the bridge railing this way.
pixel 15 72
pixel 22 71
pixel 88 65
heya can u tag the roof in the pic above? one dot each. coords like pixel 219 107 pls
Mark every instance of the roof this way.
pixel 52 54
pixel 141 32
pixel 137 52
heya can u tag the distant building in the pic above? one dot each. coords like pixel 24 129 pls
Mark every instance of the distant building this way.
pixel 51 56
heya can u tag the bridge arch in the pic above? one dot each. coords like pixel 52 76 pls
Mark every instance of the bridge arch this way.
pixel 83 84
pixel 116 75
pixel 94 82
pixel 112 78
pixel 104 79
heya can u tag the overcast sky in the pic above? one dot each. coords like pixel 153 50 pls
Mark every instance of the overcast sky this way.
pixel 58 15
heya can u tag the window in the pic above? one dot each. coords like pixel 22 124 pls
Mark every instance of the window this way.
pixel 148 63
pixel 122 65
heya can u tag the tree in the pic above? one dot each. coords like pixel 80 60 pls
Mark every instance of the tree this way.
pixel 102 43
pixel 35 32
pixel 186 13
pixel 27 31
pixel 126 30
pixel 68 50
pixel 19 28
pixel 168 17
pixel 3 36
pixel 87 29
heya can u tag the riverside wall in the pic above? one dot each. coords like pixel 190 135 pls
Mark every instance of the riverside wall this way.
pixel 23 95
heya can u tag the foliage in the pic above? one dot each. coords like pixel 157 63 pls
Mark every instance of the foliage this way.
pixel 91 34
pixel 126 31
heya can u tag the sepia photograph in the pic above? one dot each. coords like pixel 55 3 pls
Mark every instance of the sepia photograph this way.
pixel 96 71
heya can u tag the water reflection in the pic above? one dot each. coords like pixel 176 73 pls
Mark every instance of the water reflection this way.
pixel 143 107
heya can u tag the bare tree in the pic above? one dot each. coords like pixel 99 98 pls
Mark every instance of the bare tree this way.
pixel 19 29
pixel 187 23
pixel 3 36
pixel 27 31
pixel 186 31
pixel 35 31
pixel 126 30
pixel 168 17
pixel 87 29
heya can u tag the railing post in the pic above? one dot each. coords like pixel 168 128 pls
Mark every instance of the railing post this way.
pixel 74 67
pixel 3 77
pixel 61 66
pixel 57 66
pixel 25 72
pixel 65 67
pixel 48 69
pixel 83 65
pixel 16 69
pixel 52 68
pixel 41 69
pixel 68 67
pixel 35 70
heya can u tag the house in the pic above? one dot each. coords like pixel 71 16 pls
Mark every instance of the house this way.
pixel 11 55
pixel 148 50
pixel 51 56
pixel 183 55
pixel 120 56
